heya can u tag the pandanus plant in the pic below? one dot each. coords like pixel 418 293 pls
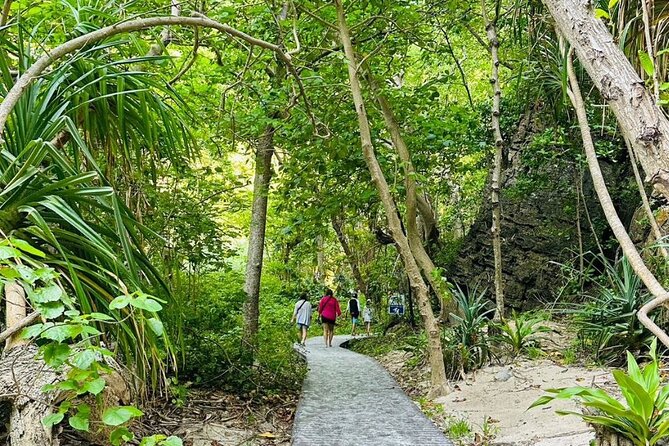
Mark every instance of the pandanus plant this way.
pixel 76 135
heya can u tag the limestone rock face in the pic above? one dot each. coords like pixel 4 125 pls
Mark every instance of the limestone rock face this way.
pixel 539 222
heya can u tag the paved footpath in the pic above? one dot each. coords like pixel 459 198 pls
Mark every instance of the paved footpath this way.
pixel 348 399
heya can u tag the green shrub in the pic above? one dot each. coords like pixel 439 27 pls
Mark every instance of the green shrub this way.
pixel 644 419
pixel 520 333
pixel 607 324
pixel 211 335
pixel 467 344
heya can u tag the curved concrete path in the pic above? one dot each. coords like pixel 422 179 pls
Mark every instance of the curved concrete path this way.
pixel 348 399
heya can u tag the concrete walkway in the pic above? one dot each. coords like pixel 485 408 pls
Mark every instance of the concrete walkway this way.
pixel 348 399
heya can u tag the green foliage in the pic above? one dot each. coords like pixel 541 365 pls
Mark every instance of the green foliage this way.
pixel 607 323
pixel 644 418
pixel 211 352
pixel 520 331
pixel 467 345
pixel 68 340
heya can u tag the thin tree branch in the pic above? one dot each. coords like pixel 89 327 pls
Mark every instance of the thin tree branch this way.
pixel 20 325
pixel 644 199
pixel 191 61
pixel 5 12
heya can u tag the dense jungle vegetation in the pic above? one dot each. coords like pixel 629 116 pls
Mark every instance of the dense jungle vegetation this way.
pixel 174 176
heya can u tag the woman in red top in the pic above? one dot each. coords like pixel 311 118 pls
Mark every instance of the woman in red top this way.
pixel 328 309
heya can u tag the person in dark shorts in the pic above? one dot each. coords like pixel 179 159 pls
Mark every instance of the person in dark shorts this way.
pixel 328 310
pixel 353 308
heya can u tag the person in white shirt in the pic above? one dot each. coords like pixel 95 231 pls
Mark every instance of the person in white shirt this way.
pixel 302 314
pixel 367 317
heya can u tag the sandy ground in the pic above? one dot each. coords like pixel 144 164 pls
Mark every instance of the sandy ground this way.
pixel 506 401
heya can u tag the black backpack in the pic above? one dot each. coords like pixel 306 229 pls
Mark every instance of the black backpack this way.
pixel 353 306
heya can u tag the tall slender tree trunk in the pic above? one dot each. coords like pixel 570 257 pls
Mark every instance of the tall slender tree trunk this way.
pixel 496 228
pixel 320 259
pixel 641 120
pixel 254 262
pixel 424 261
pixel 438 372
pixel 352 261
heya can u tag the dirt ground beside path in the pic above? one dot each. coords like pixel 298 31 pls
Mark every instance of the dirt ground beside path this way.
pixel 503 393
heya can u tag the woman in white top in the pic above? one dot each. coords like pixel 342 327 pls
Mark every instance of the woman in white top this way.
pixel 367 317
pixel 302 314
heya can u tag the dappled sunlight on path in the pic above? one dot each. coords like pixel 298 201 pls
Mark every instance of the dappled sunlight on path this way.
pixel 349 399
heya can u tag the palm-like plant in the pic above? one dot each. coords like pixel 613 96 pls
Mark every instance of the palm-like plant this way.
pixel 607 322
pixel 469 334
pixel 87 126
pixel 644 419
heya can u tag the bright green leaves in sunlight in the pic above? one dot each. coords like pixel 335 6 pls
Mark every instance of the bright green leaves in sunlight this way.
pixel 138 300
pixel 69 341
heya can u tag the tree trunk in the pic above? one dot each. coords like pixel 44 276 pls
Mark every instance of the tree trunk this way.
pixel 640 119
pixel 320 259
pixel 261 182
pixel 16 311
pixel 491 30
pixel 661 296
pixel 362 285
pixel 654 227
pixel 22 377
pixel 424 261
pixel 438 372
pixel 430 226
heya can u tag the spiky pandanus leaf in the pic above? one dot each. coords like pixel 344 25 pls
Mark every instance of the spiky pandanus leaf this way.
pixel 54 192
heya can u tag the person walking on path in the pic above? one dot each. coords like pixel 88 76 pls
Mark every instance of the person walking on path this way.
pixel 367 317
pixel 328 310
pixel 302 314
pixel 353 308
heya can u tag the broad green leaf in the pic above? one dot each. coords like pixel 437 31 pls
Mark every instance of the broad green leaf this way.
pixel 612 4
pixel 146 304
pixel 26 247
pixel 49 293
pixel 100 317
pixel 53 419
pixel 120 435
pixel 81 420
pixel 35 330
pixel 62 332
pixel 600 13
pixel 26 273
pixel 55 353
pixel 95 386
pixel 172 441
pixel 9 273
pixel 156 326
pixel 7 252
pixel 646 63
pixel 120 302
pixel 152 440
pixel 83 359
pixel 50 310
pixel 115 416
